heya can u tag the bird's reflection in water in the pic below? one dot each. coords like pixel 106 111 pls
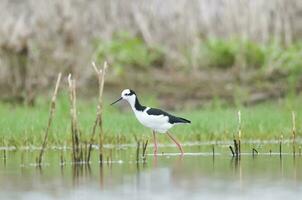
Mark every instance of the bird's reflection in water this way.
pixel 155 161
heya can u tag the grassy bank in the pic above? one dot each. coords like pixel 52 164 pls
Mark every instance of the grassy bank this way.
pixel 21 125
pixel 264 70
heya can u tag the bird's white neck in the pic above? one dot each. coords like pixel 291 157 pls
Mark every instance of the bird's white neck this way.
pixel 131 101
pixel 135 105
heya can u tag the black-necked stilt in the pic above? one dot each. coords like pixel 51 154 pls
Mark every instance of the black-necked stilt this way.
pixel 158 120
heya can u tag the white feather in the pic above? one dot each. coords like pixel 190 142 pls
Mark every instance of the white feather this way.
pixel 158 123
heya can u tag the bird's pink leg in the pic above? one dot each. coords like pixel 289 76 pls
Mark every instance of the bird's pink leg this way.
pixel 176 142
pixel 155 143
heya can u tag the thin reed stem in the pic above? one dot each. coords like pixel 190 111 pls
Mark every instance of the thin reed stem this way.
pixel 254 151
pixel 74 121
pixel 280 145
pixel 213 150
pixel 239 134
pixel 101 79
pixel 236 147
pixel 137 151
pixel 232 151
pixel 4 157
pixel 51 114
pixel 92 138
pixel 145 144
pixel 294 132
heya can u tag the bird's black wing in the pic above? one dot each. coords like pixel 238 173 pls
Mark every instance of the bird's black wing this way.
pixel 172 119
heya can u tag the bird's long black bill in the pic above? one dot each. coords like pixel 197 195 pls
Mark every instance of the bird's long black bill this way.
pixel 116 101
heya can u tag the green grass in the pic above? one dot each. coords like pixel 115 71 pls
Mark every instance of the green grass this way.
pixel 24 126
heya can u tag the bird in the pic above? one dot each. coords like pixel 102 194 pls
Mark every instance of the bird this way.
pixel 156 119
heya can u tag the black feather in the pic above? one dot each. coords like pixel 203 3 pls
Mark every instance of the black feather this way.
pixel 172 119
pixel 138 106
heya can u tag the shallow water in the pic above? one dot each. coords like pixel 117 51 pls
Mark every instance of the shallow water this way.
pixel 168 176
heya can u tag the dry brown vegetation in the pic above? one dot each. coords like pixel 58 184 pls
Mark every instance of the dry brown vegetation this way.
pixel 39 37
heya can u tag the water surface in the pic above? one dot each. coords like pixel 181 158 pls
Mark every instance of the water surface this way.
pixel 168 176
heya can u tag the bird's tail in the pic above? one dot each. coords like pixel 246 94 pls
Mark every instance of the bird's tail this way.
pixel 183 120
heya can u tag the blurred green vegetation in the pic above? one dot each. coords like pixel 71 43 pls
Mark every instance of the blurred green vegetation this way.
pixel 217 53
pixel 220 53
pixel 287 59
pixel 124 51
pixel 24 126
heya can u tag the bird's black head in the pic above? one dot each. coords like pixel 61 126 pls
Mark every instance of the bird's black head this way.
pixel 128 95
pixel 129 92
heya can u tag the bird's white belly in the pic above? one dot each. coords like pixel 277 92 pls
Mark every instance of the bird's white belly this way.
pixel 158 123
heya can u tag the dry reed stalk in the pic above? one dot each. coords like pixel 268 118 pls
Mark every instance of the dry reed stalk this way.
pixel 232 151
pixel 145 144
pixel 101 78
pixel 237 140
pixel 110 156
pixel 280 145
pixel 145 147
pixel 81 154
pixel 236 148
pixel 239 134
pixel 137 151
pixel 213 151
pixel 51 114
pixel 254 151
pixel 4 157
pixel 74 121
pixel 71 111
pixel 294 132
pixel 62 158
pixel 85 150
pixel 92 138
